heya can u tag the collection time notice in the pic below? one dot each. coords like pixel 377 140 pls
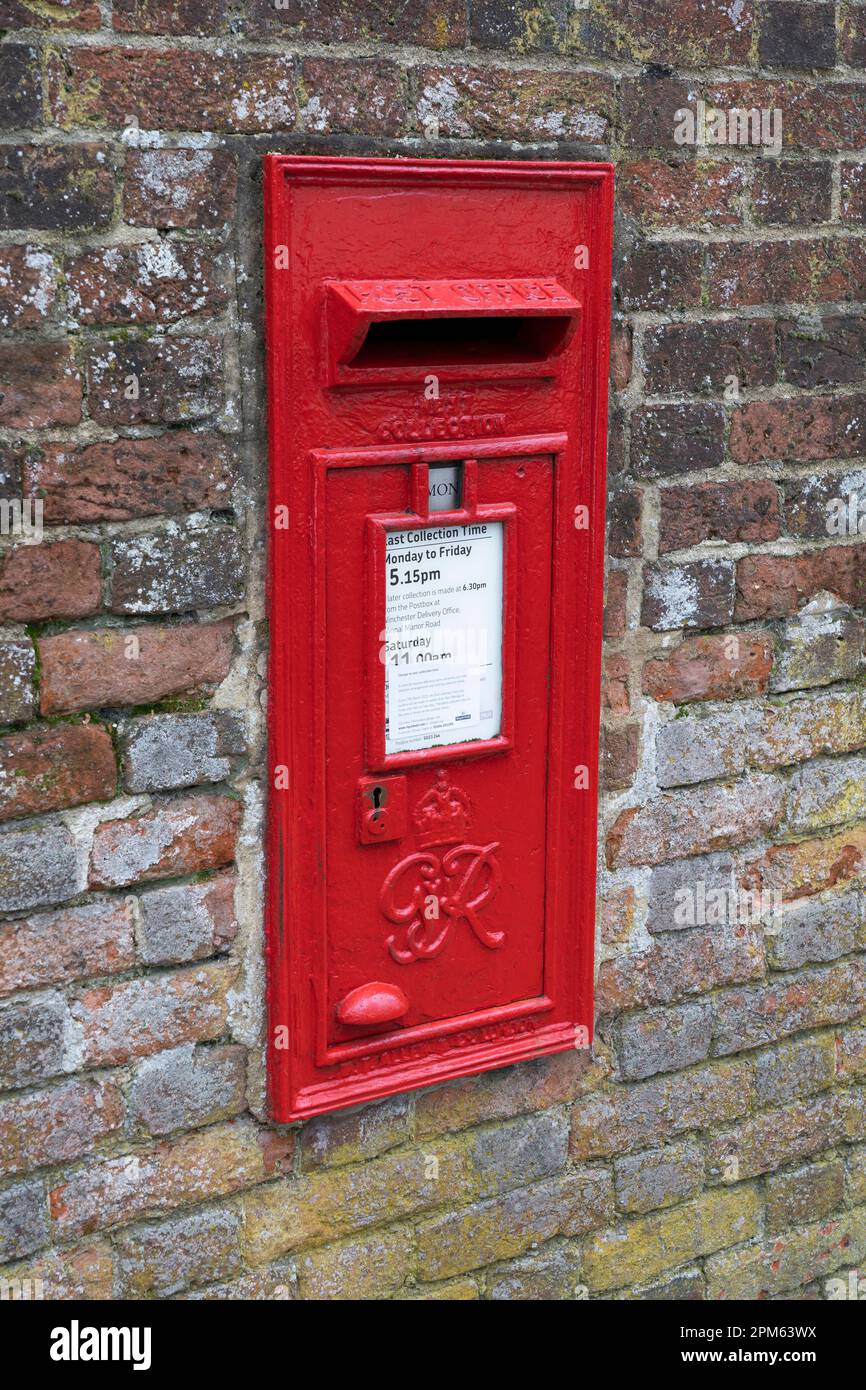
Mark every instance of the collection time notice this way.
pixel 443 635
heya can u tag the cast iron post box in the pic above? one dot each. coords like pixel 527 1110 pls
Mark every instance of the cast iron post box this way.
pixel 437 367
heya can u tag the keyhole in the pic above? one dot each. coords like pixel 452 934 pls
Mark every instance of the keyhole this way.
pixel 377 798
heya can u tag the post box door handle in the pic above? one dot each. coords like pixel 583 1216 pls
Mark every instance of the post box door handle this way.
pixel 372 1003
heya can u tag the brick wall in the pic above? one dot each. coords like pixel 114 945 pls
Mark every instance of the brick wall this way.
pixel 714 1143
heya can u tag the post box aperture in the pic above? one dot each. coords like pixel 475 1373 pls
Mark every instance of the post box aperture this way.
pixel 437 352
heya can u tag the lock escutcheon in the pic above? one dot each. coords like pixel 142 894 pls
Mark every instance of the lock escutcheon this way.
pixel 381 809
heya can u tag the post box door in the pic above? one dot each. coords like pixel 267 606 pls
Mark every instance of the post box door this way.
pixel 449 909
pixel 432 811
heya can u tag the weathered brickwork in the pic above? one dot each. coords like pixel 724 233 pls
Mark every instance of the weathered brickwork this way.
pixel 713 1142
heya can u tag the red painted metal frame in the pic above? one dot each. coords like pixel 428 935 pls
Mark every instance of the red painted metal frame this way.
pixel 305 1076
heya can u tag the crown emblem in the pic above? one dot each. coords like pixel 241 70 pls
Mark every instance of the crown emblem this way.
pixel 443 814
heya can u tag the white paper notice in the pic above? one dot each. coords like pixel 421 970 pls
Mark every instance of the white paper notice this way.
pixel 443 635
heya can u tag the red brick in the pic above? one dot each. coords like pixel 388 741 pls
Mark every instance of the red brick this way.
pixel 62 580
pixel 523 104
pixel 186 836
pixel 178 380
pixel 139 1017
pixel 803 429
pixel 131 666
pixel 70 944
pixel 774 586
pixel 853 200
pixel 152 282
pixel 428 23
pixel 717 511
pixel 827 116
pixel 778 272
pixel 28 285
pixel 620 355
pixel 614 687
pixel 700 357
pixel 693 33
pixel 179 188
pixel 347 95
pixel 172 89
pixel 851 1052
pixel 624 535
pixel 663 275
pixel 48 768
pixel 39 386
pixel 711 668
pixel 619 757
pixel 173 473
pixel 682 193
pixel 615 604
pixel 61 14
pixel 649 106
pixel 193 1168
pixel 852 35
pixel 83 1274
pixel 669 439
pixel 20 87
pixel 64 187
pixel 810 866
pixel 679 964
pixel 58 1125
pixel 813 999
pixel 787 192
pixel 829 351
pixel 206 17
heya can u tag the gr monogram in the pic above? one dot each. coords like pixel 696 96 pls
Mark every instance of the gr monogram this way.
pixel 461 880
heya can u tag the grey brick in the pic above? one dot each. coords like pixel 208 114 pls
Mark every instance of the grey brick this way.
pixel 37 866
pixel 177 569
pixel 664 1040
pixel 511 1155
pixel 824 794
pixel 673 902
pixel 551 1274
pixel 162 1259
pixel 17 693
pixel 23 1219
pixel 188 1086
pixel 696 749
pixel 815 930
pixel 31 1042
pixel 187 921
pixel 821 644
pixel 647 1181
pixel 164 751
pixel 795 1069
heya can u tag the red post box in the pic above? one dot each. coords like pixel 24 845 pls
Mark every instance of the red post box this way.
pixel 437 368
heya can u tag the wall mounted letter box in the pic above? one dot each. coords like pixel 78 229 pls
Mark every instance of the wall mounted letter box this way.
pixel 437 365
